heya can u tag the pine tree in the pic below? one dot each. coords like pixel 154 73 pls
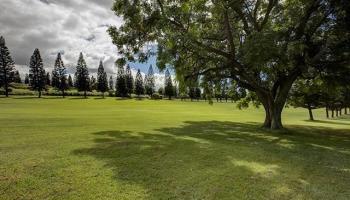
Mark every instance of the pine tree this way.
pixel 93 84
pixel 26 79
pixel 198 93
pixel 102 84
pixel 82 75
pixel 37 77
pixel 139 89
pixel 70 81
pixel 111 83
pixel 48 79
pixel 7 66
pixel 120 83
pixel 17 77
pixel 59 75
pixel 168 86
pixel 149 81
pixel 129 81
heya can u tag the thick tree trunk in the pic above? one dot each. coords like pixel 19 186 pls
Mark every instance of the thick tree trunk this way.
pixel 63 94
pixel 85 94
pixel 273 111
pixel 39 94
pixel 327 114
pixel 311 116
pixel 336 112
pixel 332 113
pixel 345 110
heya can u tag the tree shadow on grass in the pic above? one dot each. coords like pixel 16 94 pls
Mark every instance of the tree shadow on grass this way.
pixel 227 160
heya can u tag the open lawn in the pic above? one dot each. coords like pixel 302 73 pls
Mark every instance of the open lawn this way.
pixel 128 149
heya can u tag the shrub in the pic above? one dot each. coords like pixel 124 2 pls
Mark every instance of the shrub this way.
pixel 156 96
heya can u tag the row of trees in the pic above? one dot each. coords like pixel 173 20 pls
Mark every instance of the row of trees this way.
pixel 38 79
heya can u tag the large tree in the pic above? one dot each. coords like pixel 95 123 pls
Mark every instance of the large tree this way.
pixel 264 45
pixel 102 83
pixel 82 75
pixel 149 81
pixel 7 66
pixel 59 75
pixel 129 80
pixel 37 76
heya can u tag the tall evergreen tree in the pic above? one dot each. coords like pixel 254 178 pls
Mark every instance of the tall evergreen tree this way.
pixel 7 66
pixel 111 83
pixel 93 83
pixel 120 85
pixel 149 81
pixel 26 79
pixel 139 89
pixel 102 84
pixel 17 77
pixel 59 73
pixel 129 81
pixel 70 81
pixel 82 75
pixel 48 79
pixel 168 85
pixel 37 76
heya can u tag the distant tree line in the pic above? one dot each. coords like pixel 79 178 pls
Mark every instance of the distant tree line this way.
pixel 40 80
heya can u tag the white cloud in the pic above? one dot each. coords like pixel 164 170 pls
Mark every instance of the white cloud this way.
pixel 66 26
pixel 59 26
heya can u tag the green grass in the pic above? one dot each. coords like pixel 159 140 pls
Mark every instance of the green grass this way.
pixel 128 149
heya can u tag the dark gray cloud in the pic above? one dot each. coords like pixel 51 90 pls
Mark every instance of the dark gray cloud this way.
pixel 66 26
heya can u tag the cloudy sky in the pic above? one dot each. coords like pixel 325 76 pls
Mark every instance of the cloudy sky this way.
pixel 66 26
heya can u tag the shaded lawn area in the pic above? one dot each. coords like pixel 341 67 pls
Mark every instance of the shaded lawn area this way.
pixel 168 150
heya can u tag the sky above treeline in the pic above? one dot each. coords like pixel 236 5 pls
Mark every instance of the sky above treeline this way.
pixel 66 26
